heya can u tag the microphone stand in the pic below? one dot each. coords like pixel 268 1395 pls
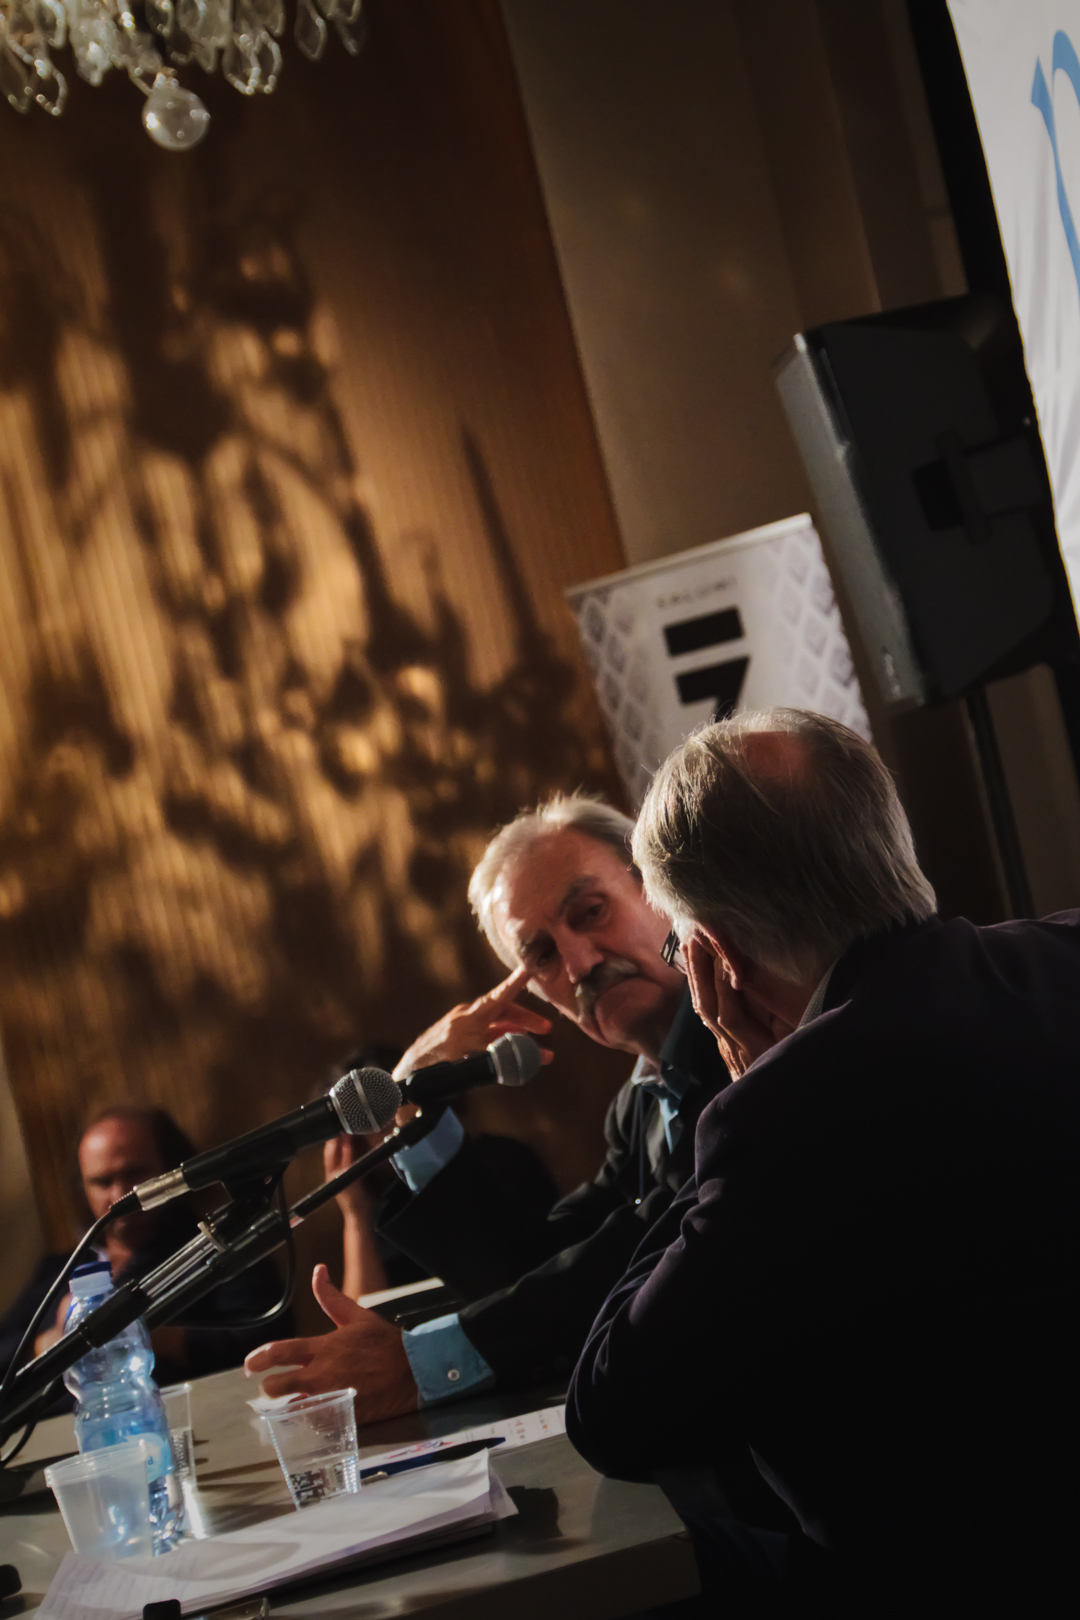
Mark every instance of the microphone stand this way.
pixel 229 1241
pixel 224 1256
pixel 402 1136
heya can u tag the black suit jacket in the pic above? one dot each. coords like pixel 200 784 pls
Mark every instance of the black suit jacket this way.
pixel 534 1280
pixel 872 1280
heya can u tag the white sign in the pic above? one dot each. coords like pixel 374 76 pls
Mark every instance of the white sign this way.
pixel 744 623
pixel 1023 70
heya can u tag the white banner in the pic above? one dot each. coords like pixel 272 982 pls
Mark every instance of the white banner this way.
pixel 1022 61
pixel 742 623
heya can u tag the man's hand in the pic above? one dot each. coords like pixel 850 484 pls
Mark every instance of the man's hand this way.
pixel 741 1037
pixel 363 1351
pixel 50 1335
pixel 357 1201
pixel 471 1026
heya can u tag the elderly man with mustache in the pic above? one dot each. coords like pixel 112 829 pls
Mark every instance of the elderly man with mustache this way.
pixel 561 902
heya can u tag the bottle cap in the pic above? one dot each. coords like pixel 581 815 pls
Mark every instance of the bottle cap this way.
pixel 93 1278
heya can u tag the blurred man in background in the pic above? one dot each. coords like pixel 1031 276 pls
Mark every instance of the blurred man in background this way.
pixel 120 1148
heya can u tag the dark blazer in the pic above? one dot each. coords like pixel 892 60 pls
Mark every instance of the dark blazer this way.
pixel 872 1280
pixel 533 1280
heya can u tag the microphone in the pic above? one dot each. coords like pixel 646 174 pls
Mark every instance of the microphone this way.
pixel 509 1061
pixel 364 1100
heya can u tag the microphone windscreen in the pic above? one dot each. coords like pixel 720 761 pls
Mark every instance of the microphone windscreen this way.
pixel 367 1100
pixel 517 1058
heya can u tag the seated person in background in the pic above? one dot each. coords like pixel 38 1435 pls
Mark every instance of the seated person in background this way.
pixel 371 1262
pixel 872 1279
pixel 121 1147
pixel 560 901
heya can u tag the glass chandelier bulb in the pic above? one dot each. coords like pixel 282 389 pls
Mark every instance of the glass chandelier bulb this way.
pixel 174 117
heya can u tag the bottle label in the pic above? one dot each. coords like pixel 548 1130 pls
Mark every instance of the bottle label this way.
pixel 157 1452
pixel 158 1456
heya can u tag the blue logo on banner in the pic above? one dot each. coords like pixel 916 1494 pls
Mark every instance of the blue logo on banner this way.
pixel 1065 60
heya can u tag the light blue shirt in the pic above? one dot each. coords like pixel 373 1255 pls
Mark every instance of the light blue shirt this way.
pixel 419 1164
pixel 669 1086
pixel 816 1005
pixel 444 1361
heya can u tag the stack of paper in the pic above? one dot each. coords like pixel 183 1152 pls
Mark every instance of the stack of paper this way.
pixel 507 1433
pixel 405 1513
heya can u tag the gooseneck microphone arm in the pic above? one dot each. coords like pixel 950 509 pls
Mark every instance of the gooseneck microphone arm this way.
pixel 241 1233
pixel 230 1241
pixel 403 1136
pixel 194 1270
pixel 364 1100
pixel 102 1324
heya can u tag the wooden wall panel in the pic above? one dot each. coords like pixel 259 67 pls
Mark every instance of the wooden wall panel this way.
pixel 295 464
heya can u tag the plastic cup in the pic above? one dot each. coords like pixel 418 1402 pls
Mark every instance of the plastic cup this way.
pixel 177 1400
pixel 315 1440
pixel 104 1499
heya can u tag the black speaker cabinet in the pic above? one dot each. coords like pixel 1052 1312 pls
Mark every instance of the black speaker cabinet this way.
pixel 919 439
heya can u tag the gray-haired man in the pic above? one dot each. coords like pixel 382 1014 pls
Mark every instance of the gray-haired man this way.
pixel 561 901
pixel 885 1216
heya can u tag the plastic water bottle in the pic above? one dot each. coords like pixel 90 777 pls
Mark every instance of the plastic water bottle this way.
pixel 116 1399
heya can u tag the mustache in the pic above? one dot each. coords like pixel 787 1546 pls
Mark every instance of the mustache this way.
pixel 612 970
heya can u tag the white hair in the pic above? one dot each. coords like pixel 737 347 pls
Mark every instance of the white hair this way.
pixel 581 812
pixel 793 852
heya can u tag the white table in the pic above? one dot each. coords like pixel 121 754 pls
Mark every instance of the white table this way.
pixel 581 1547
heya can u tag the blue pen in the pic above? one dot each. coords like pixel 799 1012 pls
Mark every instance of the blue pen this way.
pixel 446 1454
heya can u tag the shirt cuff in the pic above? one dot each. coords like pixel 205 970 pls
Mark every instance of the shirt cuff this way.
pixel 420 1164
pixel 444 1362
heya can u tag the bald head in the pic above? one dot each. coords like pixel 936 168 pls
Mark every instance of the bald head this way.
pixel 777 758
pixel 782 831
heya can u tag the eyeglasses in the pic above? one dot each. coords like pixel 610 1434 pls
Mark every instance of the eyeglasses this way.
pixel 673 953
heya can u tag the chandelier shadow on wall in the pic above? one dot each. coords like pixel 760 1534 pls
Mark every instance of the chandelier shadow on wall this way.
pixel 150 39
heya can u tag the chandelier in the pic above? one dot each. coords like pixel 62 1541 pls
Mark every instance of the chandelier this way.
pixel 149 39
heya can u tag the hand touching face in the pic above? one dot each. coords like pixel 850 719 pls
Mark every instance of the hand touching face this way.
pixel 744 1029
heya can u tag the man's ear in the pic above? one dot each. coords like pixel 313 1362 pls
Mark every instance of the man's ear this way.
pixel 731 959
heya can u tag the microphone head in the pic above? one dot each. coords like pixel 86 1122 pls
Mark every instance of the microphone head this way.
pixel 517 1058
pixel 366 1100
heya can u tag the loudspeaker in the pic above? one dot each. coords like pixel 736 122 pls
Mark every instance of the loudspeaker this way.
pixel 918 435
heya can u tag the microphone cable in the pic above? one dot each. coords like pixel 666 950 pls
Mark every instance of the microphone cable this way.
pixel 52 1299
pixel 60 1284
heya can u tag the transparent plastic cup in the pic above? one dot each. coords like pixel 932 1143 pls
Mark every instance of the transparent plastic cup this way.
pixel 177 1400
pixel 315 1440
pixel 104 1499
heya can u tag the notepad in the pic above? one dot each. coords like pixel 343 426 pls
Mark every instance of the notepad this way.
pixel 523 1430
pixel 407 1513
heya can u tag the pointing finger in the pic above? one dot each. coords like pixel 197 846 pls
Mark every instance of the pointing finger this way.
pixel 505 990
pixel 514 1020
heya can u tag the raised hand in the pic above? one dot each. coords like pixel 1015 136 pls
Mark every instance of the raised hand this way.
pixel 362 1351
pixel 740 1035
pixel 471 1026
pixel 355 1200
pixel 49 1336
